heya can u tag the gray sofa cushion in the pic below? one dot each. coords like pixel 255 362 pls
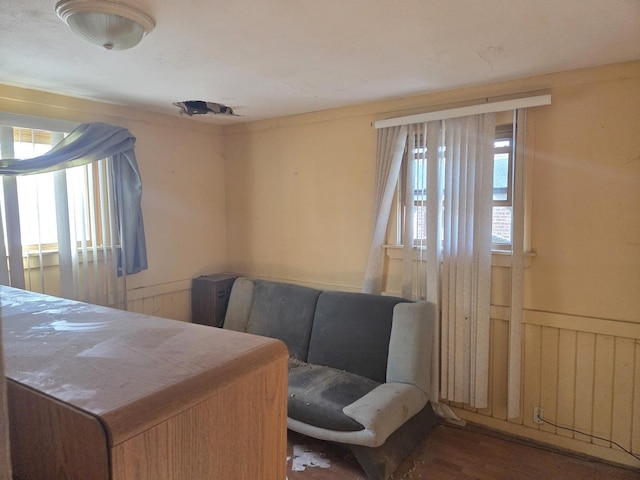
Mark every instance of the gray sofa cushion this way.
pixel 283 311
pixel 318 394
pixel 351 332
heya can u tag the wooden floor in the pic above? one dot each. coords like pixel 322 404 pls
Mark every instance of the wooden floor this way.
pixel 461 453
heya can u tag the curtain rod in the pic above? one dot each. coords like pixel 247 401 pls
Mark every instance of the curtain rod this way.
pixel 502 106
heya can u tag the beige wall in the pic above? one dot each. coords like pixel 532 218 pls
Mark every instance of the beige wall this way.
pixel 183 200
pixel 291 199
pixel 586 188
pixel 299 200
pixel 300 188
pixel 299 208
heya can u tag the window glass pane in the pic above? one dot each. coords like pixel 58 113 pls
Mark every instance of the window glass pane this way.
pixel 36 201
pixel 500 176
pixel 419 227
pixel 35 197
pixel 419 177
pixel 502 185
pixel 502 210
pixel 24 150
pixel 502 217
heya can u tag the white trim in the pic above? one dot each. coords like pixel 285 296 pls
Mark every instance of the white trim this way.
pixel 139 293
pixel 503 106
pixel 514 365
pixel 36 123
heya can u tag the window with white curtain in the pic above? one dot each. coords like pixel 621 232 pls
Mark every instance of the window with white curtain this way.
pixel 65 220
pixel 36 194
pixel 473 168
pixel 502 218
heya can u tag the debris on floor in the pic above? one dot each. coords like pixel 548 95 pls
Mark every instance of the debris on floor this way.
pixel 304 457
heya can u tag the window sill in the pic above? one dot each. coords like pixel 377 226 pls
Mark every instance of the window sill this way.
pixel 50 258
pixel 499 258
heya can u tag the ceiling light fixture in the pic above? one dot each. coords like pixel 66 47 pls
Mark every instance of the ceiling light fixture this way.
pixel 111 25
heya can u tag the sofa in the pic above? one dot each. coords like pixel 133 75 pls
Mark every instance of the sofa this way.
pixel 359 364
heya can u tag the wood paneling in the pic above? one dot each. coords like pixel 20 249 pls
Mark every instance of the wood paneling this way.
pixel 622 389
pixel 635 423
pixel 549 374
pixel 584 378
pixel 567 385
pixel 531 371
pixel 603 388
pixel 500 340
pixel 172 301
pixel 587 380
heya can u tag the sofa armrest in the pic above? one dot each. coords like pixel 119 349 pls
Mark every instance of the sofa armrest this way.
pixel 411 345
pixel 386 408
pixel 240 301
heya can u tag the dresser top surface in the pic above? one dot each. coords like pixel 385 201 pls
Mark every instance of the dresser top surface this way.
pixel 101 360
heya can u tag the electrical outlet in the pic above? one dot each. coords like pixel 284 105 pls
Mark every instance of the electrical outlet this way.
pixel 538 415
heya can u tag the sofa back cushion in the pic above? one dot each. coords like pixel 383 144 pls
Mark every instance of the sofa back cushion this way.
pixel 283 311
pixel 351 332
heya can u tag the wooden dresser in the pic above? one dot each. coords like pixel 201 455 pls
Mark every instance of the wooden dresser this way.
pixel 97 393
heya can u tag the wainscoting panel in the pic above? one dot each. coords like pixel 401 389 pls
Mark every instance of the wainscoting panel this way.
pixel 583 372
pixel 169 300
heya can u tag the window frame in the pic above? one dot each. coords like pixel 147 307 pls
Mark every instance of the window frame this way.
pixel 91 187
pixel 504 131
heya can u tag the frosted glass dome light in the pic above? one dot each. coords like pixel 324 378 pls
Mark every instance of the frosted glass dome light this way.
pixel 107 24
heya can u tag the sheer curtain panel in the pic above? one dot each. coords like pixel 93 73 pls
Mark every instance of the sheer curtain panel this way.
pixel 466 259
pixel 391 145
pixel 447 197
pixel 448 192
pixel 98 232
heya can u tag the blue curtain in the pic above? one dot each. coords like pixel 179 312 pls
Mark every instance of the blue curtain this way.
pixel 89 143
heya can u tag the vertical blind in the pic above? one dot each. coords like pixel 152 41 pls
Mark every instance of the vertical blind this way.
pixel 449 187
pixel 442 267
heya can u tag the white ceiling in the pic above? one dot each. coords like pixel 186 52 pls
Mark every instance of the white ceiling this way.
pixel 270 58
